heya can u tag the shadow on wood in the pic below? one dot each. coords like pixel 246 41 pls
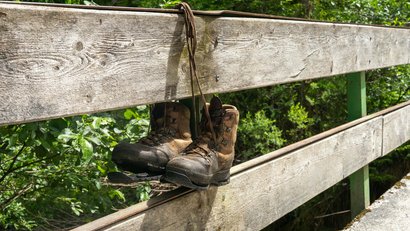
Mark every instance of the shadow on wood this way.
pixel 174 58
pixel 191 214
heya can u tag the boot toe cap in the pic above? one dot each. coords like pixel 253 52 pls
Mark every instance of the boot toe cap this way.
pixel 196 169
pixel 140 158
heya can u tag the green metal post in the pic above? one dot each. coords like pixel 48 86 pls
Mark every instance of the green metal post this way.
pixel 356 107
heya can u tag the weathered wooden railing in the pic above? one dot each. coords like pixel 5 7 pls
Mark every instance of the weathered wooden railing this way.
pixel 60 61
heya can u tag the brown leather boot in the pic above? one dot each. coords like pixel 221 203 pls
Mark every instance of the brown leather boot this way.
pixel 170 135
pixel 205 161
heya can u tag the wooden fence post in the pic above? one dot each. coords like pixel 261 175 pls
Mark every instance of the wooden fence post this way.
pixel 356 107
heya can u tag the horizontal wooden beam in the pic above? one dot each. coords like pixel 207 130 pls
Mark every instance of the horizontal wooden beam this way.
pixel 396 129
pixel 257 197
pixel 262 194
pixel 65 61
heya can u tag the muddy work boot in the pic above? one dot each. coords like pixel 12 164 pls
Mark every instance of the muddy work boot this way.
pixel 209 158
pixel 170 135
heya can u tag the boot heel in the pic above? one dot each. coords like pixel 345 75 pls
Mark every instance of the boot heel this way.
pixel 182 179
pixel 221 178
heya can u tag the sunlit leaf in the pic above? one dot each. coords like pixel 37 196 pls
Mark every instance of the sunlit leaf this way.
pixel 95 140
pixel 128 114
pixel 117 194
pixel 90 3
pixel 86 149
pixel 96 123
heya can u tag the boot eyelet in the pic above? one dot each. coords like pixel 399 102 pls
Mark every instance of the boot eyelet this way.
pixel 224 142
pixel 173 120
pixel 228 129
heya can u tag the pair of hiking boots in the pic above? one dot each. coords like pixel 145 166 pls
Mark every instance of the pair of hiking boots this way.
pixel 169 150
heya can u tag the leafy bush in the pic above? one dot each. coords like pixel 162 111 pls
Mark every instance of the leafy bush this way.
pixel 59 166
pixel 299 116
pixel 257 135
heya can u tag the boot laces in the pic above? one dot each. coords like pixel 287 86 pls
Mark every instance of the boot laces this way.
pixel 191 40
pixel 160 136
pixel 202 146
pixel 207 143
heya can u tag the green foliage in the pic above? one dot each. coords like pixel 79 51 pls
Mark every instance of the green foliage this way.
pixel 72 2
pixel 385 12
pixel 387 87
pixel 62 163
pixel 298 109
pixel 299 117
pixel 257 135
pixel 143 192
pixel 54 170
pixel 169 4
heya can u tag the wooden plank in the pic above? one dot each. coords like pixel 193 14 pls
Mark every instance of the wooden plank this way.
pixel 261 195
pixel 146 205
pixel 141 208
pixel 308 141
pixel 61 61
pixel 396 129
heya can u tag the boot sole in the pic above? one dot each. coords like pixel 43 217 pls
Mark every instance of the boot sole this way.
pixel 122 178
pixel 218 179
pixel 142 167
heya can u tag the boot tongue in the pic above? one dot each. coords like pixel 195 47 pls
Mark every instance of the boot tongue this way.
pixel 216 104
pixel 205 143
pixel 216 111
pixel 157 116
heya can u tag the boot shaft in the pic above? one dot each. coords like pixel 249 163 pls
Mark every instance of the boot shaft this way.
pixel 171 115
pixel 228 131
pixel 209 158
pixel 225 120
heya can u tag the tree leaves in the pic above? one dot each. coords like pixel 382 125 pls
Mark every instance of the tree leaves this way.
pixel 65 160
pixel 128 114
pixel 87 150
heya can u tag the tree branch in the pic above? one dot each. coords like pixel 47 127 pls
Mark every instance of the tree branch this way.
pixel 15 196
pixel 10 169
pixel 402 95
pixel 34 162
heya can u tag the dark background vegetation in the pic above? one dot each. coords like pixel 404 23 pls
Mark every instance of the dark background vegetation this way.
pixel 52 173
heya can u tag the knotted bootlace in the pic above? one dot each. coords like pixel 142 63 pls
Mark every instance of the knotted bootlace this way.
pixel 204 145
pixel 201 146
pixel 191 40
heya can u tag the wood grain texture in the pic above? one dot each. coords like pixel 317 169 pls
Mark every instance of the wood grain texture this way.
pixel 396 129
pixel 60 61
pixel 140 208
pixel 263 194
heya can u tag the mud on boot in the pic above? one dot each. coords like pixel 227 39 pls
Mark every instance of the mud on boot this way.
pixel 207 161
